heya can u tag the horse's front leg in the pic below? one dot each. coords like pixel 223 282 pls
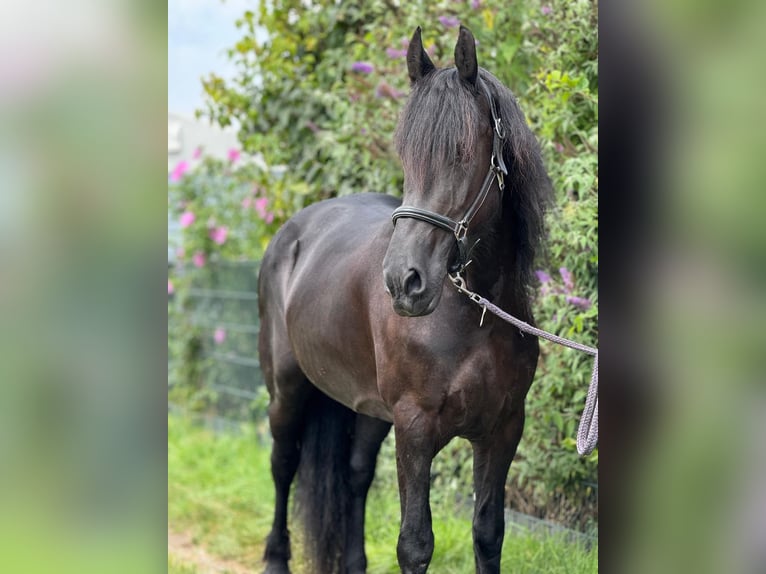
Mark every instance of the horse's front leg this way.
pixel 415 449
pixel 492 458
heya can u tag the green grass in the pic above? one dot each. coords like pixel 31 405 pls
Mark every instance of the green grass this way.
pixel 220 493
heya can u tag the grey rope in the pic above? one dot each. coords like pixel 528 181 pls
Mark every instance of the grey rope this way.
pixel 587 432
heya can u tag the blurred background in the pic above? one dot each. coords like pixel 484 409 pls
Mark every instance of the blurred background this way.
pixel 85 204
pixel 82 227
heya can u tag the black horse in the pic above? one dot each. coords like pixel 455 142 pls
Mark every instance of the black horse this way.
pixel 342 363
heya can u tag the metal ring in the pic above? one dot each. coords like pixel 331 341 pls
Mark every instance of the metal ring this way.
pixel 499 129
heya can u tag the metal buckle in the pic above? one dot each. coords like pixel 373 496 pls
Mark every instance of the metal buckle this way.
pixel 459 282
pixel 461 230
pixel 495 167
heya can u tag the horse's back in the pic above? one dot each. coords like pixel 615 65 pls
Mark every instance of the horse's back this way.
pixel 322 235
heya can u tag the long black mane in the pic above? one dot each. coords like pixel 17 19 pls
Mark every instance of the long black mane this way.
pixel 438 129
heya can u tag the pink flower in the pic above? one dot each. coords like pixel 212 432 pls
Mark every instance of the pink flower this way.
pixel 197 152
pixel 219 336
pixel 218 234
pixel 395 54
pixel 362 67
pixel 449 21
pixel 559 148
pixel 171 289
pixel 546 10
pixel 260 204
pixel 233 155
pixel 580 302
pixel 542 276
pixel 187 218
pixel 178 172
pixel 180 253
pixel 247 202
pixel 198 259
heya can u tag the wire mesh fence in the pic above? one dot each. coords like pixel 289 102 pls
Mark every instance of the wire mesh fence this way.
pixel 216 324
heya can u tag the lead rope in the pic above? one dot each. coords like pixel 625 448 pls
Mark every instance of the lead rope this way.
pixel 587 432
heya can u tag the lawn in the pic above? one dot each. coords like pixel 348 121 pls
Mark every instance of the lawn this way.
pixel 220 500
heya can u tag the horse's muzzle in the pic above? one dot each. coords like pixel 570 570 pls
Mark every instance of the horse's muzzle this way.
pixel 409 292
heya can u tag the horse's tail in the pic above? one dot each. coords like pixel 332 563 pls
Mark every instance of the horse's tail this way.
pixel 323 494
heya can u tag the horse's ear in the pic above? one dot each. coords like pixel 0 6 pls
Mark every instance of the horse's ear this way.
pixel 418 62
pixel 465 57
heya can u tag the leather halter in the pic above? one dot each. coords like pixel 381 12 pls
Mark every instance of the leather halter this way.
pixel 497 169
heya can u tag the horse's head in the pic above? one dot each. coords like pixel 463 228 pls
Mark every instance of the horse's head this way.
pixel 444 139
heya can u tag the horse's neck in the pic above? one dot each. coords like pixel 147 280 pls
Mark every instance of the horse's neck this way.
pixel 494 273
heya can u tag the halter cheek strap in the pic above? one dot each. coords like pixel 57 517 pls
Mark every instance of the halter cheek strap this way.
pixel 497 169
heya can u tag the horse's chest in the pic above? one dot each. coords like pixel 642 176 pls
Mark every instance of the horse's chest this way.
pixel 466 388
pixel 474 399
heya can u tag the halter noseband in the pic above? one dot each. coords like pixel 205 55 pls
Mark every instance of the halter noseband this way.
pixel 459 229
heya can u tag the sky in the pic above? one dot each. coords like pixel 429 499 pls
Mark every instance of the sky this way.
pixel 199 32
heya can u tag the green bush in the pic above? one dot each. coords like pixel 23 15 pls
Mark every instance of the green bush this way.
pixel 562 109
pixel 321 98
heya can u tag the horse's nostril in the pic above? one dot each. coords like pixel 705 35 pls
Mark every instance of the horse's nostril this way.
pixel 413 284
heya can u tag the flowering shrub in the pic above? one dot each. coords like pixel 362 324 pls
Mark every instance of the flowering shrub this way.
pixel 226 210
pixel 223 209
pixel 331 81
